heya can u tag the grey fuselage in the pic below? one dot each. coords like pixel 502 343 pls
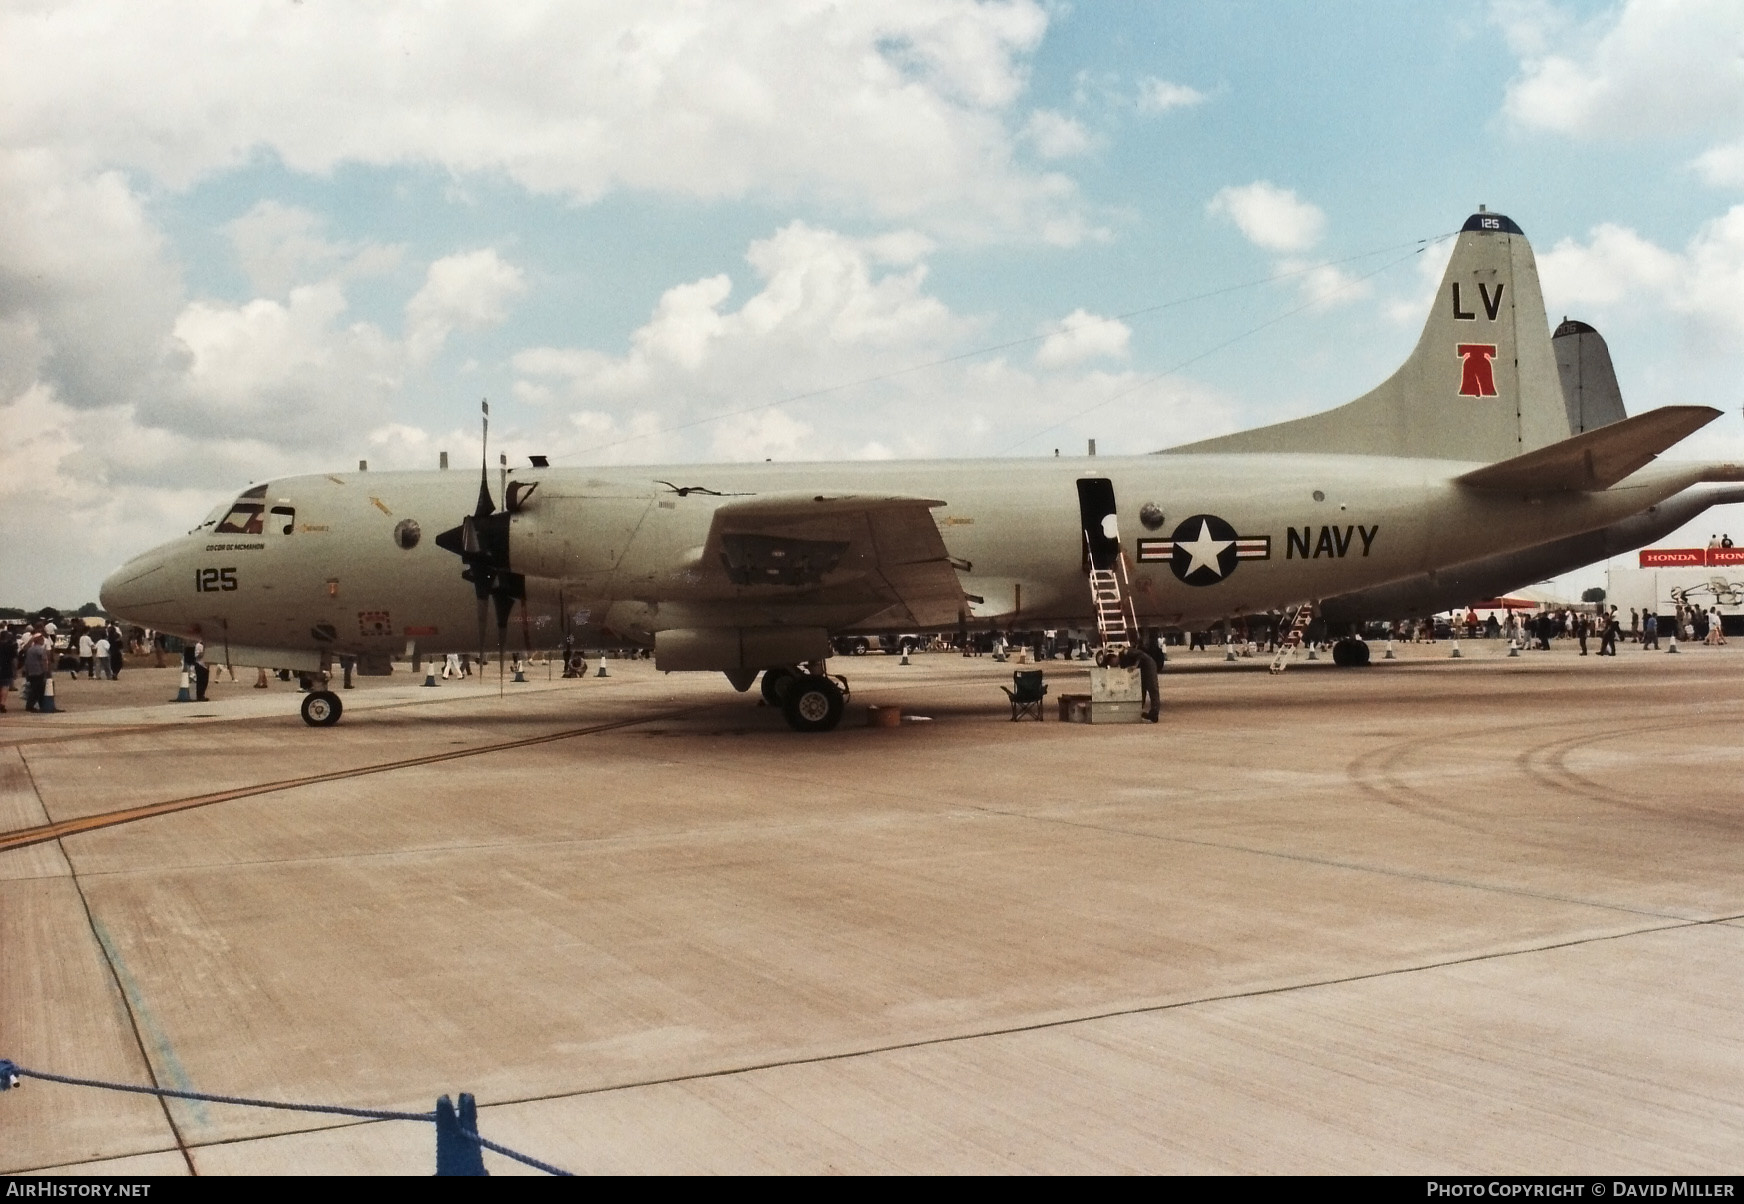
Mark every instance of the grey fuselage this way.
pixel 617 552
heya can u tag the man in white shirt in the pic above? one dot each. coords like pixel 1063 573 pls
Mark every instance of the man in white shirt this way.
pixel 101 657
pixel 86 651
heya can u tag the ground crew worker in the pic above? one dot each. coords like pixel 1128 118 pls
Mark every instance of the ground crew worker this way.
pixel 194 661
pixel 1147 679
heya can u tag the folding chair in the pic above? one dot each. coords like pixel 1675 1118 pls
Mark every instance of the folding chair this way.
pixel 1026 693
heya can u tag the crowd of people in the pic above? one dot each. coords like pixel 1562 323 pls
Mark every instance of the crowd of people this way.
pixel 31 653
pixel 1688 622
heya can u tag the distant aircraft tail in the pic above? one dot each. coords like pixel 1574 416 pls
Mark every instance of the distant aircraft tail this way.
pixel 1589 382
pixel 1482 383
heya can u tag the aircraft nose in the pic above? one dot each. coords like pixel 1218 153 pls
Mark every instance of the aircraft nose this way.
pixel 139 590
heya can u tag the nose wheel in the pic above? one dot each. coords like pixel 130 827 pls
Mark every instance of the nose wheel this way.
pixel 322 708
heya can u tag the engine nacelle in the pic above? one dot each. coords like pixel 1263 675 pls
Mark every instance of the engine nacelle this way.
pixel 724 649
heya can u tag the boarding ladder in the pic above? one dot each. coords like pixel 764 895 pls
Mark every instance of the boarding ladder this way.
pixel 1293 637
pixel 1111 595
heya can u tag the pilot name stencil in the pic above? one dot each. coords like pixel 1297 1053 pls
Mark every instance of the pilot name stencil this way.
pixel 1335 542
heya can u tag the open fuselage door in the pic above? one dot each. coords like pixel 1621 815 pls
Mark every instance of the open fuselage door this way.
pixel 1105 560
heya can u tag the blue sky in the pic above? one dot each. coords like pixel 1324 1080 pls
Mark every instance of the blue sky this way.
pixel 238 241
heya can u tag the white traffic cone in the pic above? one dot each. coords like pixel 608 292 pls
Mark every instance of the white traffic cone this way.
pixel 1672 645
pixel 185 693
pixel 602 668
pixel 520 674
pixel 1513 648
pixel 48 705
pixel 430 674
pixel 1457 654
pixel 1388 655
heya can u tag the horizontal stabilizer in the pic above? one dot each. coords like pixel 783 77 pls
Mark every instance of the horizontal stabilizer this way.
pixel 1597 459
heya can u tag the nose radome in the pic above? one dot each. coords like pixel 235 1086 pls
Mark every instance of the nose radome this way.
pixel 139 590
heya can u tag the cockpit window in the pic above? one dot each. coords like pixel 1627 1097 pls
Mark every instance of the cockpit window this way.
pixel 245 518
pixel 211 520
pixel 248 515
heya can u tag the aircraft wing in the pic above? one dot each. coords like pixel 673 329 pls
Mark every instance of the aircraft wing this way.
pixel 882 551
pixel 1595 460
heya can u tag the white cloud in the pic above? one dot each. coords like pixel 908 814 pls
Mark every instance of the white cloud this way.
pixel 1270 217
pixel 85 282
pixel 1276 219
pixel 291 372
pixel 469 291
pixel 1652 67
pixel 1056 136
pixel 1616 270
pixel 1159 95
pixel 129 409
pixel 768 434
pixel 282 245
pixel 829 311
pixel 1325 286
pixel 1082 335
pixel 1613 263
pixel 84 489
pixel 902 111
pixel 824 310
pixel 1722 166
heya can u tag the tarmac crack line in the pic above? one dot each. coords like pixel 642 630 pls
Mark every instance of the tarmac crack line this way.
pixel 23 837
pixel 1035 1027
pixel 1334 863
pixel 127 1000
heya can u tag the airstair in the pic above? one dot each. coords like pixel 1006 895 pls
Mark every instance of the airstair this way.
pixel 1111 595
pixel 1293 637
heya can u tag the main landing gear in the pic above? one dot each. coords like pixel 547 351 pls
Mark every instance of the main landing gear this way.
pixel 1350 654
pixel 322 708
pixel 810 701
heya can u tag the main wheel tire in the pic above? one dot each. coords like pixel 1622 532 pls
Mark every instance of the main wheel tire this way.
pixel 775 684
pixel 814 703
pixel 1351 654
pixel 322 708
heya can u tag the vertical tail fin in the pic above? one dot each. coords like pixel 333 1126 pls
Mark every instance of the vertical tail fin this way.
pixel 1589 382
pixel 1482 383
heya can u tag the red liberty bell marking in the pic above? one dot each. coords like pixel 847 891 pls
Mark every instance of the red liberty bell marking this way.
pixel 1479 378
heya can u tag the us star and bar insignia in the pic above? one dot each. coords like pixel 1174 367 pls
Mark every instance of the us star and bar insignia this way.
pixel 1205 550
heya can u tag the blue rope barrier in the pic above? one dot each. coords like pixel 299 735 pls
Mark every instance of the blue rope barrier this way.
pixel 451 1158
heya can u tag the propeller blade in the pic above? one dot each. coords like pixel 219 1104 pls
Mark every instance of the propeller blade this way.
pixel 483 605
pixel 485 505
pixel 502 638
